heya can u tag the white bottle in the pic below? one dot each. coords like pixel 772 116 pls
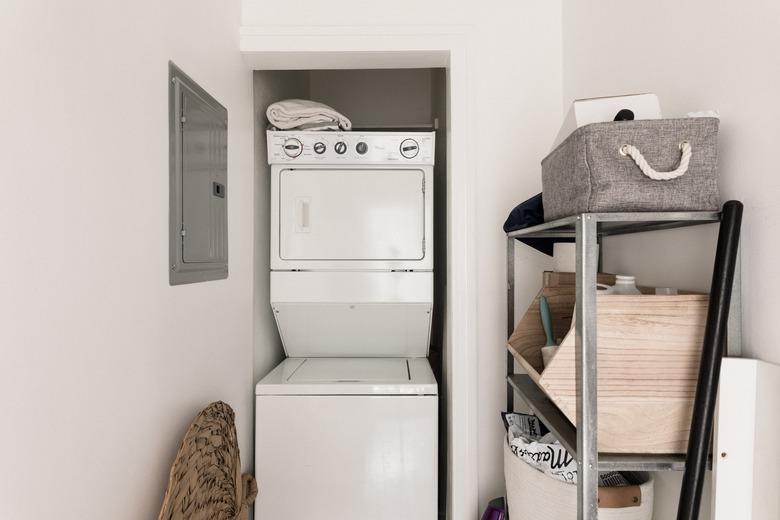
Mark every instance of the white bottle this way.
pixel 625 285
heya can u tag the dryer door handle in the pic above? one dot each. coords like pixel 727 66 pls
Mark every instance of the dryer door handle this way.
pixel 303 215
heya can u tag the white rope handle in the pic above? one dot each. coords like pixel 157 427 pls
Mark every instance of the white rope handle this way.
pixel 639 159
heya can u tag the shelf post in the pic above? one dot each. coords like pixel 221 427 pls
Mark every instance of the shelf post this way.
pixel 510 318
pixel 586 230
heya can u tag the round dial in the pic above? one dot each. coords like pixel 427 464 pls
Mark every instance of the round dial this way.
pixel 292 147
pixel 361 148
pixel 340 147
pixel 409 148
pixel 319 148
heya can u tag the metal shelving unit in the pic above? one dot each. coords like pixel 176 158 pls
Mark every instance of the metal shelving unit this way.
pixel 588 229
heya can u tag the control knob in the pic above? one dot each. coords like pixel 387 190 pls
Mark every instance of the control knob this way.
pixel 319 148
pixel 340 147
pixel 292 147
pixel 361 148
pixel 409 148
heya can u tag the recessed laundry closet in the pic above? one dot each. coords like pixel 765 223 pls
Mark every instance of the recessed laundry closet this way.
pixel 350 268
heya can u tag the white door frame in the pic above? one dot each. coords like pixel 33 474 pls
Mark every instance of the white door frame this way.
pixel 355 47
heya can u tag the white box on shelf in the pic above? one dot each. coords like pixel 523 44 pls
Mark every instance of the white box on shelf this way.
pixel 597 110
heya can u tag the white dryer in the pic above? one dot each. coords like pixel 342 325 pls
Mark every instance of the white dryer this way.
pixel 347 424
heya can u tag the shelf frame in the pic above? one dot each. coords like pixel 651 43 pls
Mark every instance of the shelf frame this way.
pixel 587 230
pixel 610 224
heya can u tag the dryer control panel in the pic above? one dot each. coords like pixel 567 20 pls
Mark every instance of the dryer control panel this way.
pixel 355 147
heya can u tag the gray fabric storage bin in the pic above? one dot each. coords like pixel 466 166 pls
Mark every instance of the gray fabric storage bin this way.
pixel 588 173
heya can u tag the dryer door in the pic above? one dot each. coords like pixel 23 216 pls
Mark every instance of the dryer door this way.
pixel 343 215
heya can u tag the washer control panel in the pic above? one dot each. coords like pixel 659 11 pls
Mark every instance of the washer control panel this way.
pixel 351 147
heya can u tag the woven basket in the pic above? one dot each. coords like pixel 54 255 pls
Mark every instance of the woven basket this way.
pixel 205 481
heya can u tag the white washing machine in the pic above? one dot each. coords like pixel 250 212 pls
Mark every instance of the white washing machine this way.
pixel 347 425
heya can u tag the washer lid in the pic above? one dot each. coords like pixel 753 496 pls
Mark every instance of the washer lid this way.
pixel 365 370
pixel 349 376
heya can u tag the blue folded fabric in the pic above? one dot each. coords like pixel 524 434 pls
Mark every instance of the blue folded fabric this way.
pixel 531 213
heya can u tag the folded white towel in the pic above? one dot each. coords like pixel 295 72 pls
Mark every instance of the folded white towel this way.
pixel 303 114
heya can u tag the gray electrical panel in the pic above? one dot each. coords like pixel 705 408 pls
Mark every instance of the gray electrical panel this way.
pixel 198 182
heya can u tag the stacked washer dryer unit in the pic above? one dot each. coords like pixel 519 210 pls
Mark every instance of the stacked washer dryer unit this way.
pixel 347 424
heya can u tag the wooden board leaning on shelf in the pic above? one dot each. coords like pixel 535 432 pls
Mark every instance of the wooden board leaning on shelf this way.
pixel 649 348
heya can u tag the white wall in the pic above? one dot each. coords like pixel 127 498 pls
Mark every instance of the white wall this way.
pixel 102 363
pixel 517 98
pixel 516 75
pixel 696 55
